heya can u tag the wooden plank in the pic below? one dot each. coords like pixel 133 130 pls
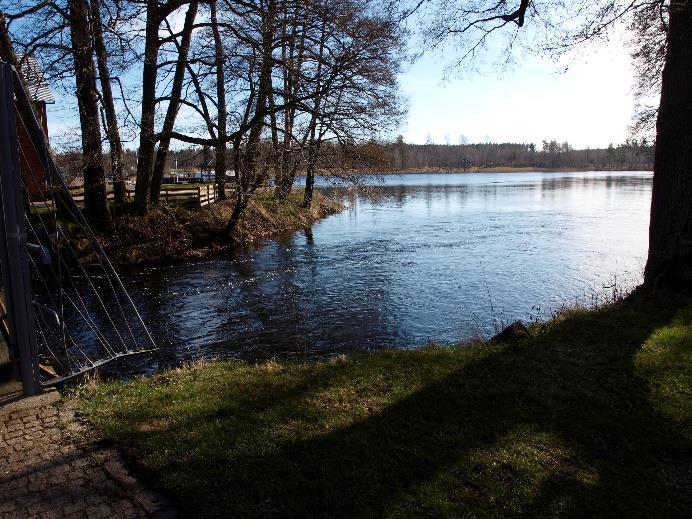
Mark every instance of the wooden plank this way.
pixel 202 194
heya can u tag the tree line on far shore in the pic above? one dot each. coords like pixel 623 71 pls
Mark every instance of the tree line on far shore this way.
pixel 335 161
pixel 632 155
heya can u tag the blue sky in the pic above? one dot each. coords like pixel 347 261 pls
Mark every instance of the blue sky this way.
pixel 588 105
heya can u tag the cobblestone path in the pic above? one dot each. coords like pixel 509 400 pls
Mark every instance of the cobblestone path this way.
pixel 43 473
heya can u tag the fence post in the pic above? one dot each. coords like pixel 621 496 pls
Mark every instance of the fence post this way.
pixel 13 248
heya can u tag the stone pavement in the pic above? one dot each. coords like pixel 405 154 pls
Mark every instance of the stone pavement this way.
pixel 44 472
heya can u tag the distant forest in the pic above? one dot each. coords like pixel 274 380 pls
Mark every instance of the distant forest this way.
pixel 336 160
pixel 632 155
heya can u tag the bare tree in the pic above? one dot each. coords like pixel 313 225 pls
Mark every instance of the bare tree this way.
pixel 222 114
pixel 356 81
pixel 271 80
pixel 174 99
pixel 250 169
pixel 108 102
pixel 95 189
pixel 156 13
pixel 297 21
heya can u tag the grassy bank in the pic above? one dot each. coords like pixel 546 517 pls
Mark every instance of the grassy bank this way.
pixel 170 233
pixel 591 417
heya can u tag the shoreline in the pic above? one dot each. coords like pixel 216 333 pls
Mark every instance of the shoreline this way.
pixel 507 169
pixel 170 234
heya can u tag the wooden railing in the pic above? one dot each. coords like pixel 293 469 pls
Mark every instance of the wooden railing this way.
pixel 173 194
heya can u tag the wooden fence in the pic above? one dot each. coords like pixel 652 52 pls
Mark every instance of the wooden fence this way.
pixel 174 194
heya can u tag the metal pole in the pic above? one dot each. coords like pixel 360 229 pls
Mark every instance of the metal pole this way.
pixel 13 249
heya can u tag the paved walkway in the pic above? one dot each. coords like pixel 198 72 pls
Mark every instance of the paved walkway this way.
pixel 44 473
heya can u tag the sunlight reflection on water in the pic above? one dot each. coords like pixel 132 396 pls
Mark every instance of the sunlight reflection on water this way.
pixel 420 257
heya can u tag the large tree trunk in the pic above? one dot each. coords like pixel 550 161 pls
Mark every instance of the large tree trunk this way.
pixel 147 142
pixel 173 104
pixel 95 197
pixel 670 230
pixel 116 146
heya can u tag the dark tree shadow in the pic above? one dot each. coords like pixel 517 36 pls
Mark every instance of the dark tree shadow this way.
pixel 576 384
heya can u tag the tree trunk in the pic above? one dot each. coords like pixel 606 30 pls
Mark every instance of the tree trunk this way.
pixel 220 159
pixel 276 148
pixel 246 162
pixel 293 64
pixel 173 105
pixel 8 55
pixel 312 133
pixel 285 182
pixel 147 143
pixel 116 146
pixel 309 183
pixel 283 150
pixel 240 199
pixel 95 196
pixel 670 229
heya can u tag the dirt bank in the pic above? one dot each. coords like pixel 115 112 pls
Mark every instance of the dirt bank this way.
pixel 171 233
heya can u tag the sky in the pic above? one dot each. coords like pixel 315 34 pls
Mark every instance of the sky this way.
pixel 589 105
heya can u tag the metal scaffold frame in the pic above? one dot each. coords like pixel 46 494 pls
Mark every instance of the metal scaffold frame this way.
pixel 13 245
pixel 81 316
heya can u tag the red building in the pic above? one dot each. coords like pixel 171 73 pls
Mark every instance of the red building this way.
pixel 33 173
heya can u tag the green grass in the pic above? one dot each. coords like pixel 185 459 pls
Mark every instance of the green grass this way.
pixel 592 417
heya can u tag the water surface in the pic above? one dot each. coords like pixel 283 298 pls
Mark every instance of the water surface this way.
pixel 418 258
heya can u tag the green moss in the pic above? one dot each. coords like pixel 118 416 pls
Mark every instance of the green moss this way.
pixel 589 418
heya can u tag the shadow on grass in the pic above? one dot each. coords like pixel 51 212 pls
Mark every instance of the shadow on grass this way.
pixel 560 425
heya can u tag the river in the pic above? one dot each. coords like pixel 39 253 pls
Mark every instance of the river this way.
pixel 416 258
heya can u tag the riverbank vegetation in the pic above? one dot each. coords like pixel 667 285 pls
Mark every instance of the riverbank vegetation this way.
pixel 589 417
pixel 173 233
pixel 259 88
